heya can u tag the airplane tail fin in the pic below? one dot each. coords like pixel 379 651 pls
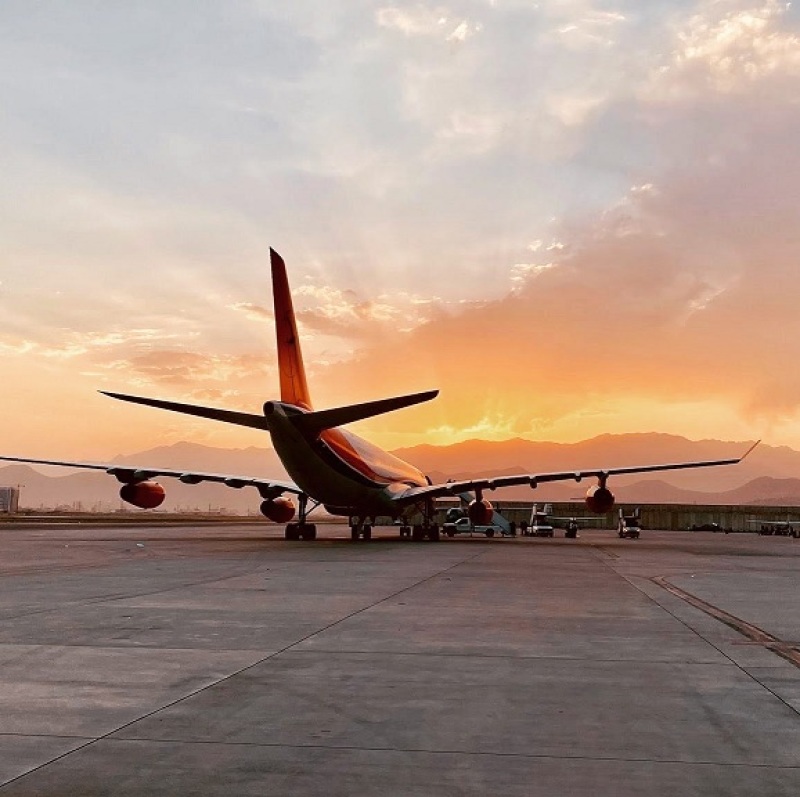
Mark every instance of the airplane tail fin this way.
pixel 294 389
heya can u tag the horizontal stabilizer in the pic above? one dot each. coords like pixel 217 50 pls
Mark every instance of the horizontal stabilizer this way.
pixel 227 416
pixel 312 423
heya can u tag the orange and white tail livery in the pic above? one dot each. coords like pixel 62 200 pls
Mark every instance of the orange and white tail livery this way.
pixel 294 388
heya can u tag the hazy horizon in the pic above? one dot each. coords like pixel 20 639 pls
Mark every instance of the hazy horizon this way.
pixel 768 476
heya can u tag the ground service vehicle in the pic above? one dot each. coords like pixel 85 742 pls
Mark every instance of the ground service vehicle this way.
pixel 539 530
pixel 465 526
pixel 629 526
pixel 539 524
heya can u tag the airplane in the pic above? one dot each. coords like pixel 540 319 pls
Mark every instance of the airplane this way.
pixel 331 466
pixel 785 528
pixel 571 524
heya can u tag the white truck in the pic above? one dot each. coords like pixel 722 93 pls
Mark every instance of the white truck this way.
pixel 540 530
pixel 464 526
pixel 539 524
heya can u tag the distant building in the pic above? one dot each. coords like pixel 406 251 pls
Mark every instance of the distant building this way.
pixel 9 500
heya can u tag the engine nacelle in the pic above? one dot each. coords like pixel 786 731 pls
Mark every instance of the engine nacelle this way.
pixel 279 510
pixel 599 499
pixel 480 512
pixel 145 495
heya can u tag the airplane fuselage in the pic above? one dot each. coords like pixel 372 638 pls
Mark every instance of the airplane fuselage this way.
pixel 340 469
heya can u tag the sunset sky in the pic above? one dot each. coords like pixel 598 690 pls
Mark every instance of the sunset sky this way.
pixel 572 217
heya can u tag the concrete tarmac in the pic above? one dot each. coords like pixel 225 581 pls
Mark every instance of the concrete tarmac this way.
pixel 224 660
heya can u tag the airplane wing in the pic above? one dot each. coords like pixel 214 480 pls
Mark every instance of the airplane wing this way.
pixel 129 473
pixel 534 479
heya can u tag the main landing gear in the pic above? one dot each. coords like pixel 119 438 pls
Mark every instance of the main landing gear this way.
pixel 418 533
pixel 302 530
pixel 427 530
pixel 361 529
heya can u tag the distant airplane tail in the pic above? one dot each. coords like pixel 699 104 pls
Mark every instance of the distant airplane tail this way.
pixel 294 389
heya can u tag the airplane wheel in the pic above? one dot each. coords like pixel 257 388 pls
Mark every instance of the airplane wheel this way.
pixel 308 532
pixel 292 532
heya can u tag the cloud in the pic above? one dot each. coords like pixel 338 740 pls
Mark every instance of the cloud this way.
pixel 405 161
pixel 680 294
pixel 416 21
pixel 426 21
pixel 75 344
pixel 590 27
pixel 344 314
pixel 730 45
pixel 254 312
pixel 192 373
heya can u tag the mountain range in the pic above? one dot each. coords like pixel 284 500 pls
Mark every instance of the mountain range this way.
pixel 767 476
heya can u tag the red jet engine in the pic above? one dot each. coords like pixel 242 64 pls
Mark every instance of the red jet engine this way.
pixel 480 512
pixel 145 495
pixel 279 510
pixel 599 499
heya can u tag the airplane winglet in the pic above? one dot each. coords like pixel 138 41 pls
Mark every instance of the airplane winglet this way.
pixel 746 453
